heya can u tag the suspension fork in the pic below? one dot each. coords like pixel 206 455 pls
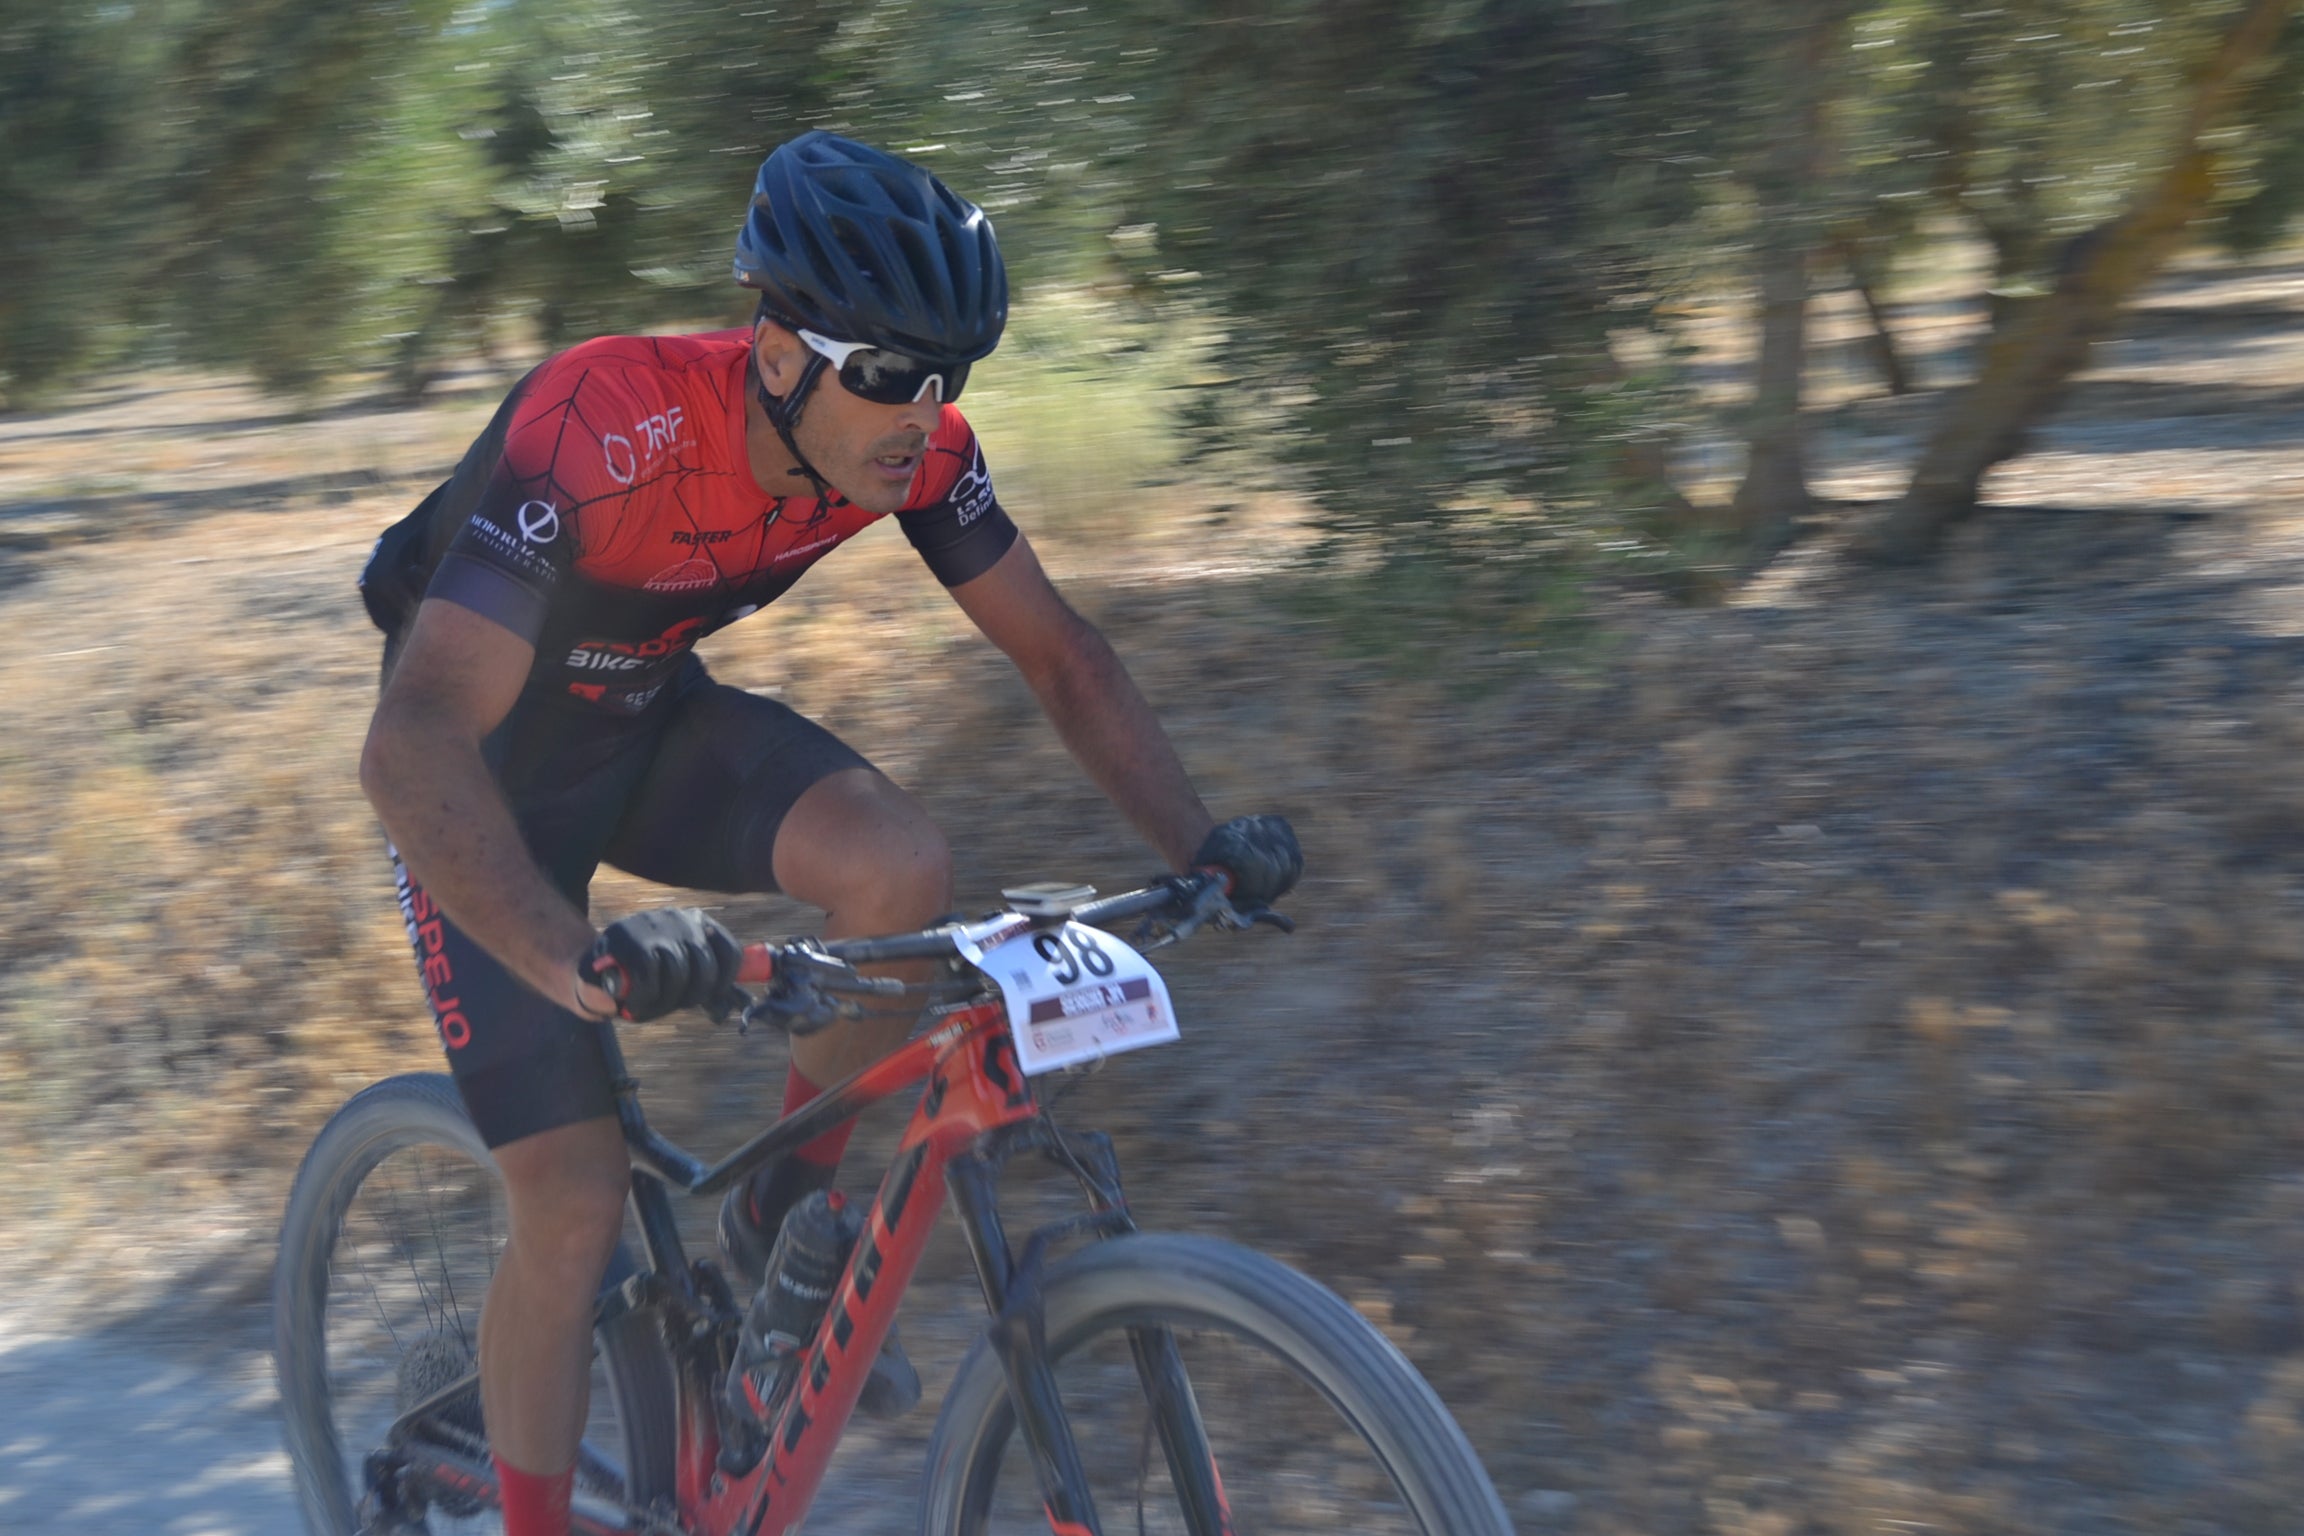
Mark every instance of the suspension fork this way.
pixel 1013 1290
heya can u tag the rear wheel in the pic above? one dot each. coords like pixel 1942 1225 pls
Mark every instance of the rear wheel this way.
pixel 1313 1420
pixel 392 1233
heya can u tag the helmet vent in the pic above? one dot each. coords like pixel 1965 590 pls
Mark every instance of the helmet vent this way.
pixel 828 272
pixel 856 244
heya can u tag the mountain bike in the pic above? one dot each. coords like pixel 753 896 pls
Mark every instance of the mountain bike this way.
pixel 1181 1383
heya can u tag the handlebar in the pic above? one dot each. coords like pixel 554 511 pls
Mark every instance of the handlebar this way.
pixel 800 972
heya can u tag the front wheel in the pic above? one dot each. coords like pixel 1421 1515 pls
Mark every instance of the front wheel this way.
pixel 1312 1420
pixel 392 1233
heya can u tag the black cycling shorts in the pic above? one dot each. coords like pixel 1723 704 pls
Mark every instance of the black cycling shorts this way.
pixel 690 794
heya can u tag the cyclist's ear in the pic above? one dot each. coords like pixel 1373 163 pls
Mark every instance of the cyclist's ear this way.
pixel 779 355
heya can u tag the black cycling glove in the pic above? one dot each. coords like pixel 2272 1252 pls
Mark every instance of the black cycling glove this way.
pixel 1258 852
pixel 654 963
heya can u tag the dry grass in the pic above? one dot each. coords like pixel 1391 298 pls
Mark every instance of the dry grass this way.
pixel 1823 1064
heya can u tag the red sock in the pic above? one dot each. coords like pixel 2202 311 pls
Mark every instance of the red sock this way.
pixel 775 1189
pixel 825 1150
pixel 534 1504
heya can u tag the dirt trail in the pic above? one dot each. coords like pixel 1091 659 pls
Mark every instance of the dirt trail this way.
pixel 1829 1063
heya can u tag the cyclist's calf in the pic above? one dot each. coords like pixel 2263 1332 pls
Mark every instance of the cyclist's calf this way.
pixel 566 1190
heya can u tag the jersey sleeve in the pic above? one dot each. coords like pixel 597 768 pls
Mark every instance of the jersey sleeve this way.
pixel 956 523
pixel 566 474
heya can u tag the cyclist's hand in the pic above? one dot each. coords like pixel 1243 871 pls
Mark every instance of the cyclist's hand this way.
pixel 654 963
pixel 1260 855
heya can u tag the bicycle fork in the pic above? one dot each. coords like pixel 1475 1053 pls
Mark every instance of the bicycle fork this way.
pixel 1013 1290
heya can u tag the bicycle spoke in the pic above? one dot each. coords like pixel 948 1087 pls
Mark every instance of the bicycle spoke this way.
pixel 375 1292
pixel 430 1216
pixel 449 1307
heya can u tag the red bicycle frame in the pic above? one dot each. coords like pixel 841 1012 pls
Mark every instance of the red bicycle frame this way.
pixel 973 1086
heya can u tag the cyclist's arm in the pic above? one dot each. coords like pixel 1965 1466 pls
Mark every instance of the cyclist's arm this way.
pixel 1090 699
pixel 457 677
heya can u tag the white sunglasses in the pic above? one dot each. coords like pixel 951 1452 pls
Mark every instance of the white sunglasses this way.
pixel 884 377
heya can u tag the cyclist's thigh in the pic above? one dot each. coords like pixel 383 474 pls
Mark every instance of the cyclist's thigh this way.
pixel 525 1063
pixel 730 767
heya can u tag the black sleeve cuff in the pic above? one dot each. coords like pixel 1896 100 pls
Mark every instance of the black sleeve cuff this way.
pixel 489 593
pixel 964 555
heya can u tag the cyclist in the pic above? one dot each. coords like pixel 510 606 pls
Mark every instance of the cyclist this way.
pixel 542 711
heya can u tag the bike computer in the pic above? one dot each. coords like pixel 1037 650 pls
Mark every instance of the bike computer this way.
pixel 1048 898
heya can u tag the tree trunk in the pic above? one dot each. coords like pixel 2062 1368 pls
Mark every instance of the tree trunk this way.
pixel 1774 494
pixel 2031 358
pixel 1880 342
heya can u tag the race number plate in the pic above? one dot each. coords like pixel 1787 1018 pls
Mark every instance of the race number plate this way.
pixel 1076 993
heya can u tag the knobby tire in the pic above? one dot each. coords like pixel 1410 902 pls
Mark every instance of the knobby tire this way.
pixel 1197 1285
pixel 420 1111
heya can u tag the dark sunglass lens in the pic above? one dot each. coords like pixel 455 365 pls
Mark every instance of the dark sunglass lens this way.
pixel 887 378
pixel 891 378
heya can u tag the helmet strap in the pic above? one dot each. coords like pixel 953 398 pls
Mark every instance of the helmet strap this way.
pixel 784 414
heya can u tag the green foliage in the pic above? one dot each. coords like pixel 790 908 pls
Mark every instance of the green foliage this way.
pixel 2263 209
pixel 68 122
pixel 2035 121
pixel 1427 253
pixel 1429 224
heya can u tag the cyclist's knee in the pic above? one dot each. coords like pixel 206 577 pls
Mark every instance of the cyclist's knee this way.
pixel 566 1190
pixel 856 844
pixel 908 876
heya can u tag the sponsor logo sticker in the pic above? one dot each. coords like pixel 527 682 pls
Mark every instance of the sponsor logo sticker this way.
pixel 971 494
pixel 539 521
pixel 623 463
pixel 509 545
pixel 629 655
pixel 657 434
pixel 687 576
pixel 798 550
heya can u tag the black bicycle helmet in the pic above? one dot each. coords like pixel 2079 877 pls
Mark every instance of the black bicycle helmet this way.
pixel 850 241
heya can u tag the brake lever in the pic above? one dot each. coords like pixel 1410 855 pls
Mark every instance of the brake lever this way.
pixel 796 1008
pixel 1266 915
pixel 733 1006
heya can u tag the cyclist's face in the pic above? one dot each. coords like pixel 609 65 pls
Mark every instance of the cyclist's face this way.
pixel 871 453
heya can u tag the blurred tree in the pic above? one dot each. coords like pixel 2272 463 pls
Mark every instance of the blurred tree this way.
pixel 1435 247
pixel 295 192
pixel 70 117
pixel 2267 201
pixel 1438 235
pixel 2042 338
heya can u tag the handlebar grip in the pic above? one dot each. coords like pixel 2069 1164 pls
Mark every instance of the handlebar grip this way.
pixel 604 973
pixel 759 963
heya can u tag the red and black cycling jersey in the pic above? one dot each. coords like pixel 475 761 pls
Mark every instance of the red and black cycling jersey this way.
pixel 609 516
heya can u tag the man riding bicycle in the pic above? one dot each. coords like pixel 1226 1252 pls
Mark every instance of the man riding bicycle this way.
pixel 542 711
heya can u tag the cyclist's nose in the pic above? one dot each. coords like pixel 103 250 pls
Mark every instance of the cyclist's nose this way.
pixel 921 415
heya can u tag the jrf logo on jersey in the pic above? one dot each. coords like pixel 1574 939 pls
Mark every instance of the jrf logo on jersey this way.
pixel 655 433
pixel 539 521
